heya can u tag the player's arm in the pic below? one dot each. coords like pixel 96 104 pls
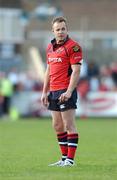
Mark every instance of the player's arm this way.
pixel 46 80
pixel 75 61
pixel 74 77
pixel 73 83
pixel 44 97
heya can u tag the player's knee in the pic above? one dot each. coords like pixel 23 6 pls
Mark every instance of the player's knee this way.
pixel 69 127
pixel 58 127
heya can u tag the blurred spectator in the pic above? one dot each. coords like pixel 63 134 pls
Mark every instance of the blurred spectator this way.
pixel 84 70
pixel 29 85
pixel 13 77
pixel 94 84
pixel 1 97
pixel 106 81
pixel 93 70
pixel 37 86
pixel 93 76
pixel 114 72
pixel 83 84
pixel 6 91
pixel 83 88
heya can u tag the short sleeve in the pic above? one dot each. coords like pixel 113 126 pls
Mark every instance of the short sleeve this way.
pixel 76 54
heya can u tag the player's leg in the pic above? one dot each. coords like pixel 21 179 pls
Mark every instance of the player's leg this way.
pixel 68 117
pixel 57 121
pixel 61 134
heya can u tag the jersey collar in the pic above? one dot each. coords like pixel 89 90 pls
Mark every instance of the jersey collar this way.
pixel 55 45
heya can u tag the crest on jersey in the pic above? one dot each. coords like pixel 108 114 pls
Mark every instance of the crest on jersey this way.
pixel 76 48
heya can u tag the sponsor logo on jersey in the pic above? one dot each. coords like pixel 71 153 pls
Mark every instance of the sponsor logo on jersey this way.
pixel 55 59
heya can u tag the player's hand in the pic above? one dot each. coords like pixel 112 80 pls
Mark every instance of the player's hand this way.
pixel 65 96
pixel 44 99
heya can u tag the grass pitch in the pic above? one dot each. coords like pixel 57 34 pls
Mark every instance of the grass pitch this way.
pixel 28 146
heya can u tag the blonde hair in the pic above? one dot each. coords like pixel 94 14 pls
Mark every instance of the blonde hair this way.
pixel 59 20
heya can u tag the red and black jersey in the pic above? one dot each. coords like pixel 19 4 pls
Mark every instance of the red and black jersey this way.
pixel 60 58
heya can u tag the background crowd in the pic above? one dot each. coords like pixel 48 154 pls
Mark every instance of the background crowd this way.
pixel 93 78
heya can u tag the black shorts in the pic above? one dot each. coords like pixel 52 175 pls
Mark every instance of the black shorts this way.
pixel 55 105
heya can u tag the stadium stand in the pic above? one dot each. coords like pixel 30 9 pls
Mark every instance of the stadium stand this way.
pixel 86 16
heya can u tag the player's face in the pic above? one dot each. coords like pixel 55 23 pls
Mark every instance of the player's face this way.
pixel 60 31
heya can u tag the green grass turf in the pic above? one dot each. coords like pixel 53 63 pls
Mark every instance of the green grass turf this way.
pixel 28 146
